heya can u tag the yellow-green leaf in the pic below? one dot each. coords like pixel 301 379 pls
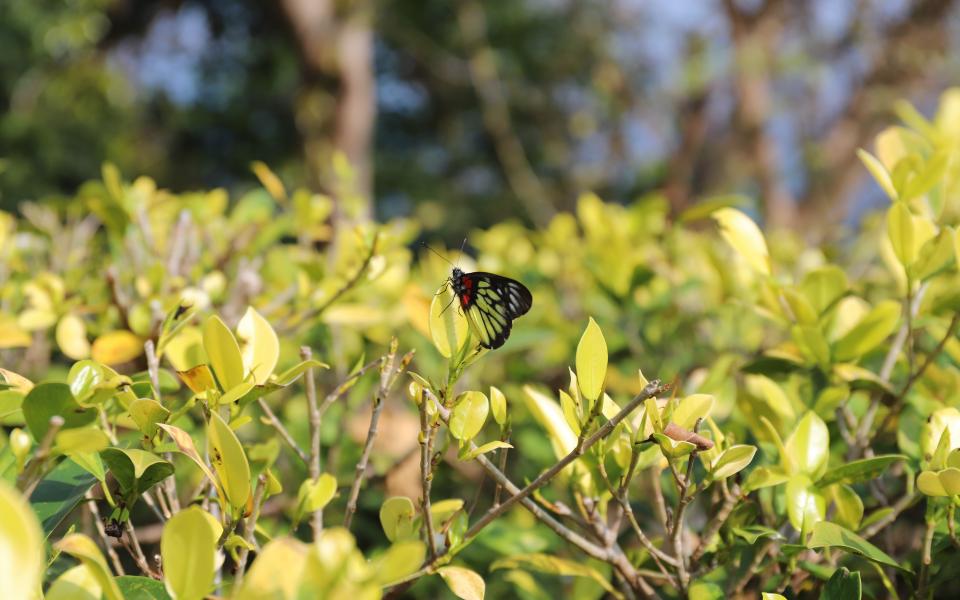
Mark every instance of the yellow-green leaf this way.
pixel 463 582
pixel 22 557
pixel 224 353
pixel 745 237
pixel 870 332
pixel 733 460
pixel 116 347
pixel 592 361
pixel 809 446
pixel 691 408
pixel 448 326
pixel 498 406
pixel 285 556
pixel 229 461
pixel 314 495
pixel 489 446
pixel 188 548
pixel 260 345
pixel 901 231
pixel 396 518
pixel 468 415
pixel 82 440
pixel 400 559
pixel 879 172
pixel 85 550
pixel 76 583
pixel 550 417
pixel 805 504
pixel 147 414
pixel 185 443
pixel 72 337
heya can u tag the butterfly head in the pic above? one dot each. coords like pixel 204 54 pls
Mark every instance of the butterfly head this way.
pixel 457 273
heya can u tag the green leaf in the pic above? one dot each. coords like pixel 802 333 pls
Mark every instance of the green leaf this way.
pixel 489 446
pixel 464 583
pixel 859 471
pixel 842 585
pixel 396 518
pixel 762 477
pixel 808 447
pixel 592 361
pixel 733 460
pixel 830 535
pixel 83 440
pixel 223 352
pixel 824 286
pixel 85 550
pixel 260 345
pixel 673 448
pixel 314 495
pixel 400 559
pixel 879 172
pixel 468 415
pixel 188 549
pixel 229 461
pixel 498 406
pixel 448 326
pixel 934 255
pixel 691 408
pixel 76 583
pixel 46 400
pixel 870 332
pixel 546 563
pixel 147 413
pixel 812 344
pixel 805 504
pixel 752 533
pixel 21 545
pixel 136 470
pixel 59 493
pixel 849 506
pixel 142 588
pixel 745 237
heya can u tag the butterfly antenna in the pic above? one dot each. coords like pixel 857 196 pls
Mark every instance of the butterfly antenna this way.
pixel 438 254
pixel 463 245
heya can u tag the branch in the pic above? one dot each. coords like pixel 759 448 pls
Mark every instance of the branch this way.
pixel 426 476
pixel 388 375
pixel 249 528
pixel 310 389
pixel 276 424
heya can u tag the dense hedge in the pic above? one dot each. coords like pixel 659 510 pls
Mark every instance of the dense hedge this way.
pixel 252 397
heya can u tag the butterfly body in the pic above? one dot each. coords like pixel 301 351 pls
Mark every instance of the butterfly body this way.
pixel 490 302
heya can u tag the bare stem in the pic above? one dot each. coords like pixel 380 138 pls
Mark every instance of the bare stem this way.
pixel 388 375
pixel 248 530
pixel 426 475
pixel 276 424
pixel 98 522
pixel 310 389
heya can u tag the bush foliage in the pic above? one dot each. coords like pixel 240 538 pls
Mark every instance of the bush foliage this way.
pixel 265 398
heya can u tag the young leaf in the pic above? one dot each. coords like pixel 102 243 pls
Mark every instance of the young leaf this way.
pixel 879 172
pixel 400 559
pixel 745 237
pixel 733 460
pixel 260 345
pixel 72 337
pixel 448 325
pixel 188 548
pixel 873 329
pixel 21 545
pixel 469 415
pixel 809 446
pixel 396 518
pixel 592 361
pixel 464 583
pixel 76 583
pixel 224 353
pixel 826 534
pixel 489 446
pixel 229 461
pixel 85 550
pixel 498 406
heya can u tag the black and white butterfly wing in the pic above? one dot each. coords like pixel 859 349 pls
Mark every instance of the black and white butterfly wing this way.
pixel 493 302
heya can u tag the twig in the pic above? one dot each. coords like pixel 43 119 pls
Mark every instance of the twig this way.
pixel 345 385
pixel 310 389
pixel 133 547
pixel 343 289
pixel 715 523
pixel 426 475
pixel 651 390
pixel 111 551
pixel 926 559
pixel 898 507
pixel 740 584
pixel 677 531
pixel 659 504
pixel 388 375
pixel 275 422
pixel 249 528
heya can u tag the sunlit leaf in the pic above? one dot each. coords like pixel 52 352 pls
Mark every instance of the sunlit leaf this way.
pixel 591 361
pixel 22 557
pixel 463 582
pixel 745 237
pixel 188 549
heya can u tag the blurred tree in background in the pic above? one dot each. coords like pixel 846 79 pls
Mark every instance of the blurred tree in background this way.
pixel 467 113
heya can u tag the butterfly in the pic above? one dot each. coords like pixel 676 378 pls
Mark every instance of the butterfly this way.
pixel 491 303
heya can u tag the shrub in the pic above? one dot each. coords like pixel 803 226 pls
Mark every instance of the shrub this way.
pixel 242 399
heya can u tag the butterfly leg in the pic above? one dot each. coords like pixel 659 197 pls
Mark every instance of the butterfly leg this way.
pixel 447 306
